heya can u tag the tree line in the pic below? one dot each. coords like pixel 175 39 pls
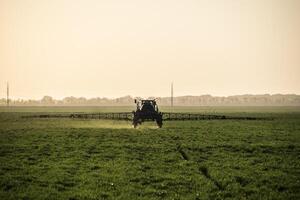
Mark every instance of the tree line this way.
pixel 202 100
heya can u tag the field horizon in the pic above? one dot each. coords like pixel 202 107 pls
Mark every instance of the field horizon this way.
pixel 186 100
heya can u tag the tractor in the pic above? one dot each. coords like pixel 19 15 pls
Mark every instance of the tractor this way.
pixel 146 110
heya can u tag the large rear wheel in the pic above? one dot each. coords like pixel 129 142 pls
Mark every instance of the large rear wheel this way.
pixel 159 125
pixel 159 121
pixel 135 120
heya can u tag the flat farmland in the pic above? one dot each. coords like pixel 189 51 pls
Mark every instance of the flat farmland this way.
pixel 105 159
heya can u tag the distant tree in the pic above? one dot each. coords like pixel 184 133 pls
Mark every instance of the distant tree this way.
pixel 2 102
pixel 47 100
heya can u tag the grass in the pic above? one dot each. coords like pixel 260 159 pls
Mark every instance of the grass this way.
pixel 98 159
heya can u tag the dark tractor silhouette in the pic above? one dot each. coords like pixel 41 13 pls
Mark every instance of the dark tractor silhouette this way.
pixel 146 110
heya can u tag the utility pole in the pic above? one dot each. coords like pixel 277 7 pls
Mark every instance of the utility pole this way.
pixel 7 95
pixel 172 96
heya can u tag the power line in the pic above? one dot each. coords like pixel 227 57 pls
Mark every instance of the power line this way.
pixel 7 95
pixel 172 96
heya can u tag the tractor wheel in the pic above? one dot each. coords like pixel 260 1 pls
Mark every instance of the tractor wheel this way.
pixel 135 122
pixel 159 122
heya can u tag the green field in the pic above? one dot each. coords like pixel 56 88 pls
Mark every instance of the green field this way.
pixel 98 159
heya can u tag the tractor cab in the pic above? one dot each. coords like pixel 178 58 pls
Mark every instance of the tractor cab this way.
pixel 147 110
pixel 149 106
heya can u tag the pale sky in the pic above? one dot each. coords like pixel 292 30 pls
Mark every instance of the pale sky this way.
pixel 111 48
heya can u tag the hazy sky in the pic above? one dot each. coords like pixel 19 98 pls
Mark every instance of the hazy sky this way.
pixel 138 47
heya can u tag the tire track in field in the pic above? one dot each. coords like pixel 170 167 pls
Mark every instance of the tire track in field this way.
pixel 202 169
pixel 182 153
